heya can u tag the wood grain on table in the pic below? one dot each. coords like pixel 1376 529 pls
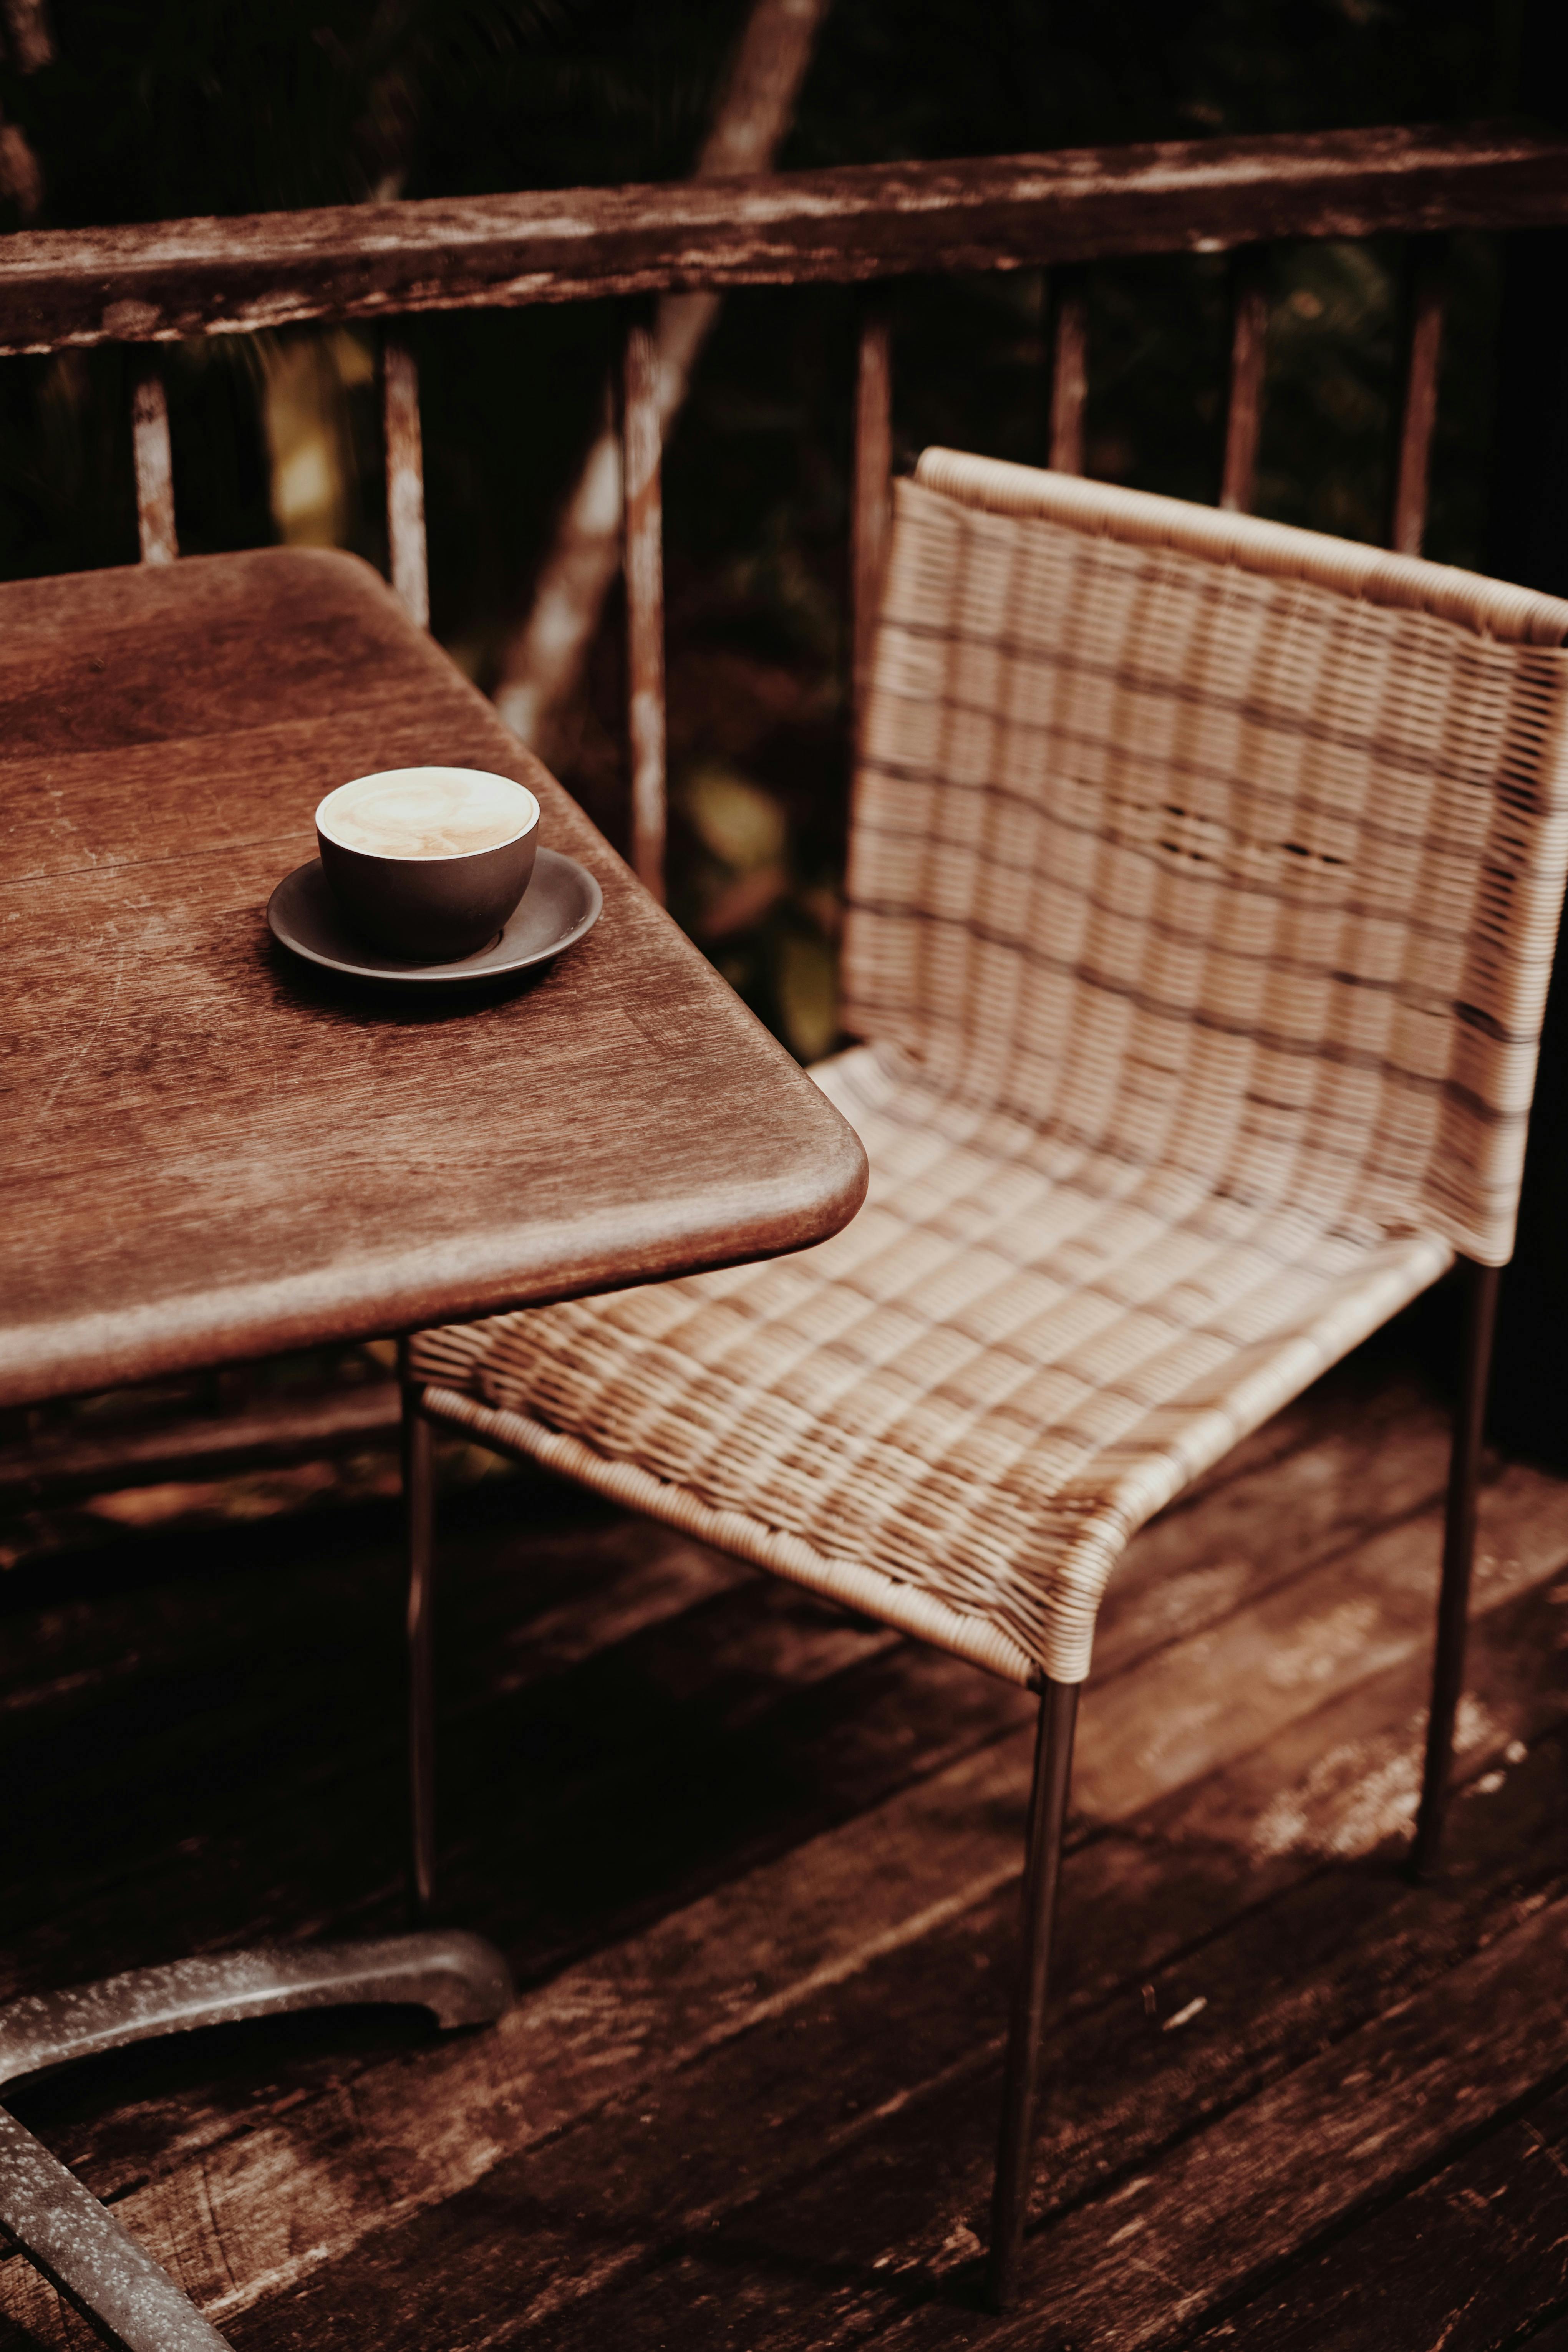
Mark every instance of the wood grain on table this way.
pixel 211 1152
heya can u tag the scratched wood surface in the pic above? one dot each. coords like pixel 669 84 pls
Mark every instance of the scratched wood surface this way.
pixel 754 1864
pixel 159 281
pixel 206 1151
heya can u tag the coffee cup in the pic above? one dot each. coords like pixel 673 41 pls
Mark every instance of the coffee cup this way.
pixel 428 863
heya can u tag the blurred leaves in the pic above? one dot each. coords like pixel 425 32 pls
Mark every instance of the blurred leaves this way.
pixel 737 822
pixel 308 383
pixel 746 894
pixel 1331 387
pixel 807 983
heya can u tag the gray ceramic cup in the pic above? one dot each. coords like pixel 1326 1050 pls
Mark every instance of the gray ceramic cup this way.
pixel 428 863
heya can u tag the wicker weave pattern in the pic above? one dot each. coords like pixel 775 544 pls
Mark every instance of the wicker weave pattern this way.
pixel 1209 866
pixel 1201 918
pixel 1013 1355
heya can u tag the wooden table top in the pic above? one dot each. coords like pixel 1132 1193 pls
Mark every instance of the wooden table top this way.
pixel 208 1153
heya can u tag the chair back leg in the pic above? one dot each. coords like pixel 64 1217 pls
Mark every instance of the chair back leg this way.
pixel 418 1547
pixel 1458 1558
pixel 1048 1818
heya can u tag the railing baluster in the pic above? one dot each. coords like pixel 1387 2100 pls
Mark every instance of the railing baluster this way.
pixel 643 556
pixel 870 521
pixel 1248 351
pixel 405 479
pixel 154 467
pixel 1070 369
pixel 1423 352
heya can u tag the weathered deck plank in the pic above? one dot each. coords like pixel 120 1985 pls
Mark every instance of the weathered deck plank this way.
pixel 757 1862
pixel 902 2078
pixel 1476 2256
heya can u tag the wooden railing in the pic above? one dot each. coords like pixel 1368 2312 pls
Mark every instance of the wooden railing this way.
pixel 156 284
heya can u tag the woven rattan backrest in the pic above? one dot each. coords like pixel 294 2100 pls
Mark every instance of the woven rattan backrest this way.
pixel 1206 842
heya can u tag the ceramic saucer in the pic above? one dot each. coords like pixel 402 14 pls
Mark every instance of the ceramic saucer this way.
pixel 560 905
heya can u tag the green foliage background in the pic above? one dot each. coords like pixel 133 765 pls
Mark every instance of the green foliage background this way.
pixel 174 107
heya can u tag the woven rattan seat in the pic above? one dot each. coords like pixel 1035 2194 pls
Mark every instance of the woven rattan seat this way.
pixel 955 1413
pixel 1203 885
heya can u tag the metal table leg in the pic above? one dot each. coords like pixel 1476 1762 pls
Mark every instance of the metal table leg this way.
pixel 60 2226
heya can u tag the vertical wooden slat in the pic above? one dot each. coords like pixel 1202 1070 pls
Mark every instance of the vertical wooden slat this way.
pixel 154 468
pixel 1423 354
pixel 870 521
pixel 643 554
pixel 405 479
pixel 1070 369
pixel 1248 351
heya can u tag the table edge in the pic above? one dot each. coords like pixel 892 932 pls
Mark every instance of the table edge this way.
pixel 455 1281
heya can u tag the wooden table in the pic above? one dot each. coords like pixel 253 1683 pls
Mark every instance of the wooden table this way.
pixel 209 1152
pixel 205 1154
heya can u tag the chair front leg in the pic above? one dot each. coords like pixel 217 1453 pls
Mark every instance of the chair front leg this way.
pixel 1458 1556
pixel 418 1549
pixel 1015 2155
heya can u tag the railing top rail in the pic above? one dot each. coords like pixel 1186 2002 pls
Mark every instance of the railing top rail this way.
pixel 169 279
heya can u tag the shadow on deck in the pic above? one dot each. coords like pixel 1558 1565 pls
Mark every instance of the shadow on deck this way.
pixel 754 1864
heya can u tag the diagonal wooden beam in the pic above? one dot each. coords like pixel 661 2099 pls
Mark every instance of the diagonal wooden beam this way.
pixel 543 656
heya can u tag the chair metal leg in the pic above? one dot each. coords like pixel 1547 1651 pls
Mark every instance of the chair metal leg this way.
pixel 418 1539
pixel 1459 1556
pixel 1047 1817
pixel 60 2226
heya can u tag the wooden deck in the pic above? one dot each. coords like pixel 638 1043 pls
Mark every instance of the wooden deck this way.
pixel 755 1865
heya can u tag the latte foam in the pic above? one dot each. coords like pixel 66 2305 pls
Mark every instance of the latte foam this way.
pixel 427 812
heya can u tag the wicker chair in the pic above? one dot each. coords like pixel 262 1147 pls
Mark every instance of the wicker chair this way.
pixel 1203 892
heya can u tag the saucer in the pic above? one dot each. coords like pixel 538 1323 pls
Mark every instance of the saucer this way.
pixel 560 905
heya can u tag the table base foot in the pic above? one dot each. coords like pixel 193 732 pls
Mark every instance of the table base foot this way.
pixel 59 2225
